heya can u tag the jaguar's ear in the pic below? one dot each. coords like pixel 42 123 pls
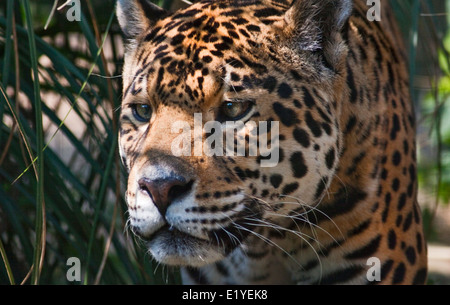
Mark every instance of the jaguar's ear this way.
pixel 313 23
pixel 136 16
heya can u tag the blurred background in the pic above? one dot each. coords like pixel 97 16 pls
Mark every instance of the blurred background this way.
pixel 61 182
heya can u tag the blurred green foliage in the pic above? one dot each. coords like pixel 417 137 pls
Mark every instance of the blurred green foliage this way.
pixel 73 194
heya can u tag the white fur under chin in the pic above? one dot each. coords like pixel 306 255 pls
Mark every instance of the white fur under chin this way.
pixel 175 250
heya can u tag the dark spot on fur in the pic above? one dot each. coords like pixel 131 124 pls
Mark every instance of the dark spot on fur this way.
pixel 276 180
pixel 287 116
pixel 313 125
pixel 284 90
pixel 392 239
pixel 289 188
pixel 329 158
pixel 399 274
pixel 302 137
pixel 299 168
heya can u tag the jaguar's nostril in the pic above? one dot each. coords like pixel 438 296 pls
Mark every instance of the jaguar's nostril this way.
pixel 164 191
pixel 177 191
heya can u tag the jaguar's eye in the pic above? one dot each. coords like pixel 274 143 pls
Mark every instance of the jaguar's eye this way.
pixel 142 112
pixel 236 109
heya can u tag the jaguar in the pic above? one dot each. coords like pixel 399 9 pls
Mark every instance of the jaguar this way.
pixel 339 206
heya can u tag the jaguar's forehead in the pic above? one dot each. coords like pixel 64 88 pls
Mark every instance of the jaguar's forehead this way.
pixel 204 20
pixel 197 53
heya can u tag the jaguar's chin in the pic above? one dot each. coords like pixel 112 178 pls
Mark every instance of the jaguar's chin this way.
pixel 174 247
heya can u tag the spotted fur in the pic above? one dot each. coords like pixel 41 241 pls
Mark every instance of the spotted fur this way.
pixel 345 187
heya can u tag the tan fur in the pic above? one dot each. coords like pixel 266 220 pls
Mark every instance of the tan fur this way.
pixel 345 188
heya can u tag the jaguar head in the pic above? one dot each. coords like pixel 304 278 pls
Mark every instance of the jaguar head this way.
pixel 229 121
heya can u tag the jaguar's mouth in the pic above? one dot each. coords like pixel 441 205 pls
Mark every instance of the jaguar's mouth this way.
pixel 174 235
pixel 180 239
pixel 172 246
